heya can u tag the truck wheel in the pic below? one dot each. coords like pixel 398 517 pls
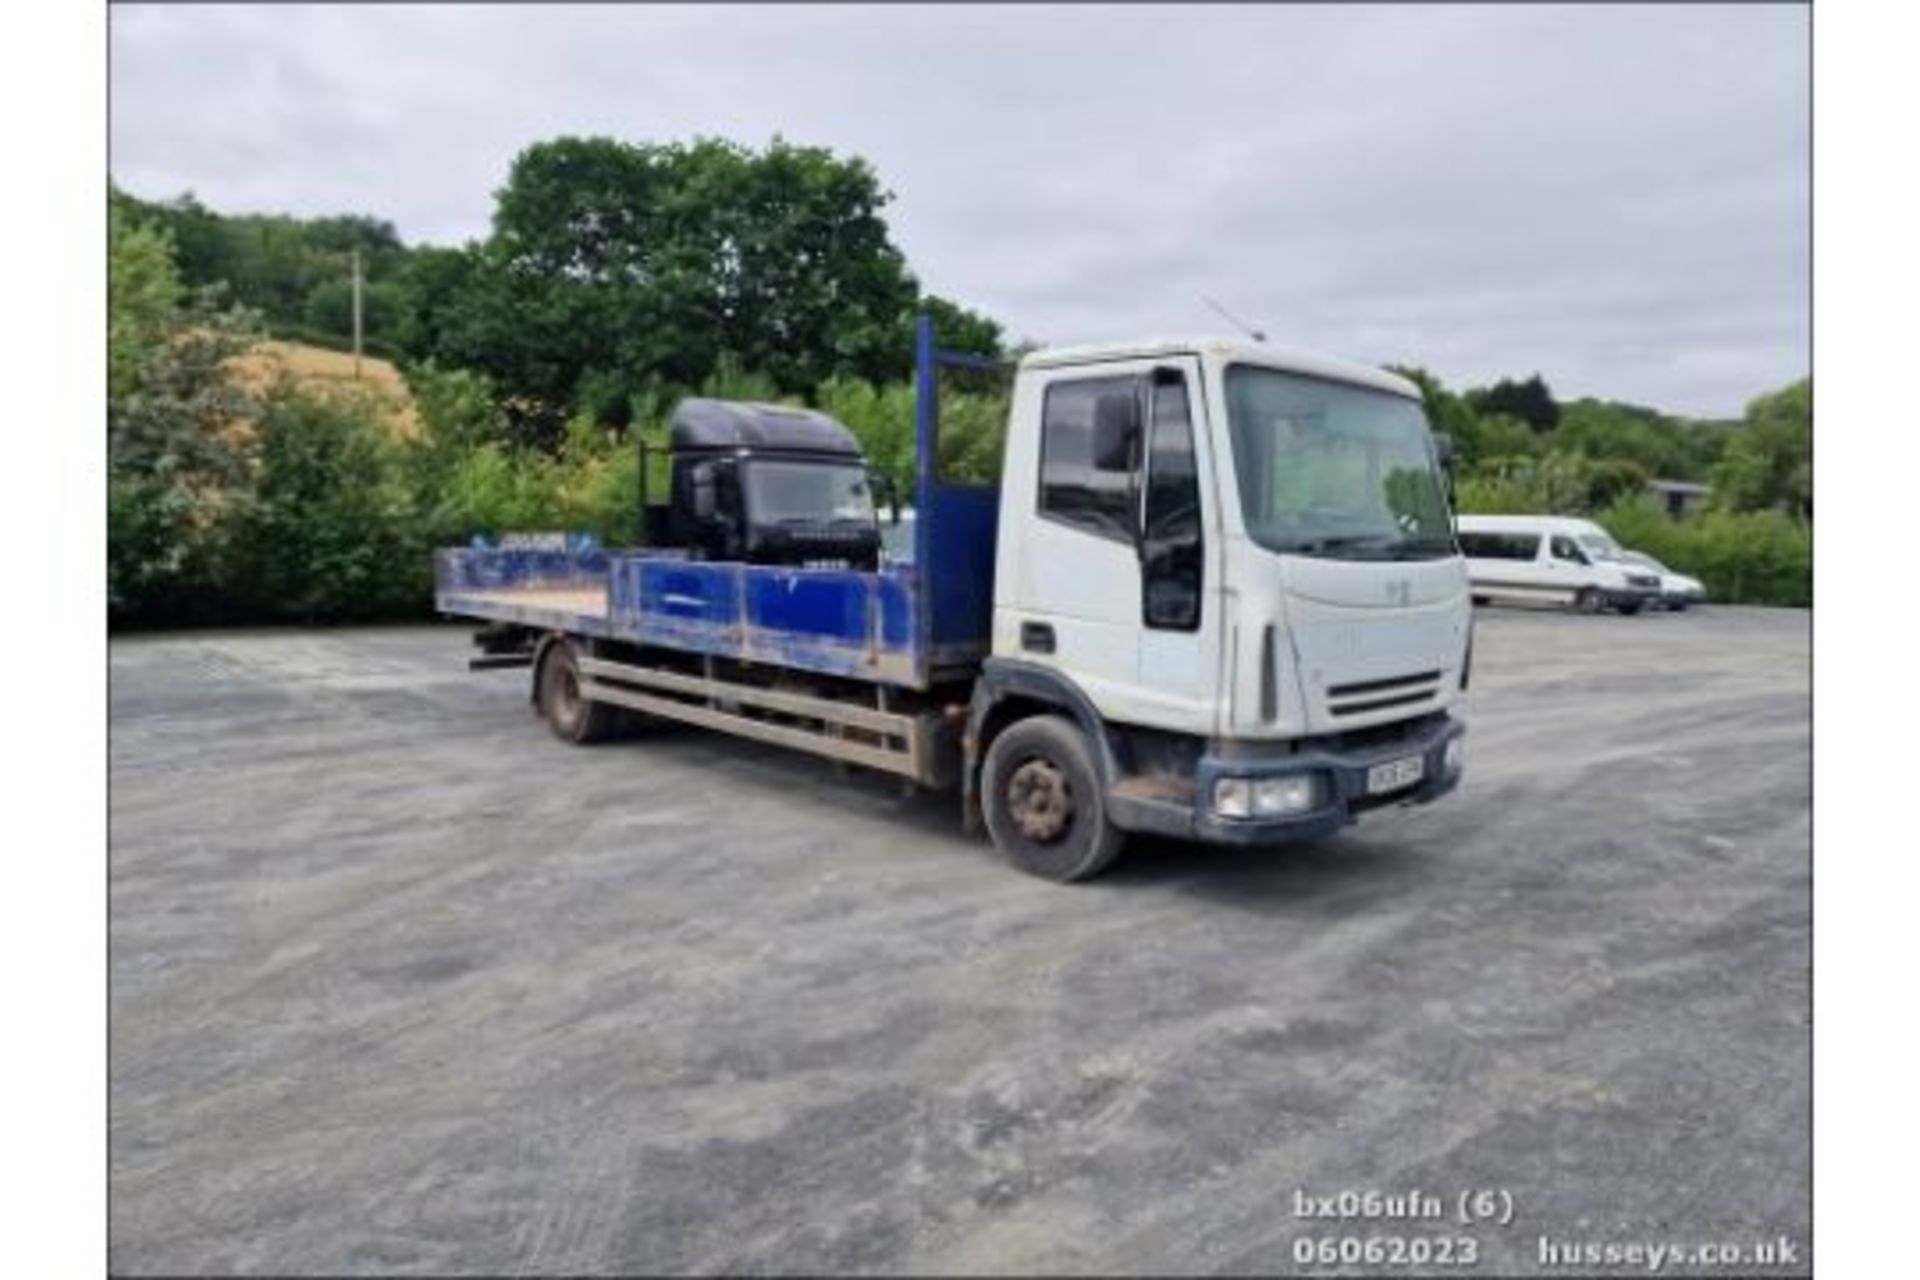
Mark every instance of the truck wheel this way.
pixel 1628 609
pixel 572 717
pixel 1044 807
pixel 1586 600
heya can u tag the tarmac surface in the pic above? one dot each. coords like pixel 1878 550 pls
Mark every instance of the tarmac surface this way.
pixel 400 983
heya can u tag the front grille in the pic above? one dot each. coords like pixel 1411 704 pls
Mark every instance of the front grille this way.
pixel 1381 686
pixel 1362 696
pixel 1641 580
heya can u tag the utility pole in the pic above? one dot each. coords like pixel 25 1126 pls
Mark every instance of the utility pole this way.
pixel 356 314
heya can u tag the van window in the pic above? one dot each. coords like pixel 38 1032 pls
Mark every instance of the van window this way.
pixel 1500 546
pixel 1071 490
pixel 1565 548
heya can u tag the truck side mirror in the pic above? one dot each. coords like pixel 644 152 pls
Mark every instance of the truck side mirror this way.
pixel 885 490
pixel 1443 448
pixel 703 499
pixel 1116 431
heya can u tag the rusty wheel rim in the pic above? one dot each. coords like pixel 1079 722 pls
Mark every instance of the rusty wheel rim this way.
pixel 1040 800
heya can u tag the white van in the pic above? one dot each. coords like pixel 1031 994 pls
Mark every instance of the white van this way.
pixel 1677 590
pixel 1552 560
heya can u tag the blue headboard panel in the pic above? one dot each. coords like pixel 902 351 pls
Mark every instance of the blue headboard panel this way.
pixel 961 522
pixel 956 525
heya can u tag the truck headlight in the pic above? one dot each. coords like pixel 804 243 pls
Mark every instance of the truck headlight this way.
pixel 1233 797
pixel 1455 756
pixel 1273 797
pixel 1265 797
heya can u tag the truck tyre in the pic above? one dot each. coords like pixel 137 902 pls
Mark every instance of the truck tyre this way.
pixel 572 717
pixel 1629 608
pixel 1043 801
pixel 1586 600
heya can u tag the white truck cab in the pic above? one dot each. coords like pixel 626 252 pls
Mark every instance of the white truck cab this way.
pixel 1236 568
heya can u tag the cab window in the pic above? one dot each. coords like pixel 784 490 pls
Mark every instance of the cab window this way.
pixel 1072 490
pixel 1499 546
pixel 1565 548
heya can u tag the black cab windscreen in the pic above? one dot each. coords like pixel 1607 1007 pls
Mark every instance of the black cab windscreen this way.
pixel 810 492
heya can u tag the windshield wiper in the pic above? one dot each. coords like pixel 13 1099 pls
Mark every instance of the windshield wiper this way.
pixel 1386 545
pixel 1426 548
pixel 1342 542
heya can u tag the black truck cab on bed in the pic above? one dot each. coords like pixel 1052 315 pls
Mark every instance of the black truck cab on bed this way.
pixel 769 484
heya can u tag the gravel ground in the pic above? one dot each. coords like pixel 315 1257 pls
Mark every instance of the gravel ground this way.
pixel 401 984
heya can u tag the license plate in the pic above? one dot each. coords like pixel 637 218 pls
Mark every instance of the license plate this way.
pixel 1395 774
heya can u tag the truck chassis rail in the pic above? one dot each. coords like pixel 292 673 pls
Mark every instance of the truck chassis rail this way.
pixel 912 746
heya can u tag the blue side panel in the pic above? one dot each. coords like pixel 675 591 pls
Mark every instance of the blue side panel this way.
pixel 962 523
pixel 837 622
pixel 811 605
pixel 815 619
pixel 684 592
pixel 678 603
pixel 896 596
pixel 496 568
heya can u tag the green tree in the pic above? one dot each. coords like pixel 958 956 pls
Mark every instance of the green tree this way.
pixel 957 329
pixel 1768 460
pixel 177 443
pixel 615 268
pixel 1501 438
pixel 275 264
pixel 329 309
pixel 144 295
pixel 1530 400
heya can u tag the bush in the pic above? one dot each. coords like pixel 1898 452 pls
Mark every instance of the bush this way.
pixel 1749 557
pixel 329 530
pixel 160 561
pixel 1554 484
pixel 491 491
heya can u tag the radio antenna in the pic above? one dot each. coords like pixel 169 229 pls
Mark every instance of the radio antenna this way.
pixel 1234 320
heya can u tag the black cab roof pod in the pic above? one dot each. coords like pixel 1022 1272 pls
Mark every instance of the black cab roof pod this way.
pixel 735 424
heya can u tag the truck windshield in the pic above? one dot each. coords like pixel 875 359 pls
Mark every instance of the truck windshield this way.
pixel 1330 469
pixel 780 492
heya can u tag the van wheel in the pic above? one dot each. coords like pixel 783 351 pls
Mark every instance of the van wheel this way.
pixel 1628 609
pixel 1044 806
pixel 1586 600
pixel 572 717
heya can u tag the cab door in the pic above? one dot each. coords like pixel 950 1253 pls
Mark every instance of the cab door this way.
pixel 1569 567
pixel 1109 566
pixel 1179 663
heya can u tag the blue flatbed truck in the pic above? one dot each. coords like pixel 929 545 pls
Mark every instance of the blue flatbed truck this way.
pixel 1152 623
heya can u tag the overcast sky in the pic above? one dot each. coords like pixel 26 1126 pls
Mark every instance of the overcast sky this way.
pixel 1616 197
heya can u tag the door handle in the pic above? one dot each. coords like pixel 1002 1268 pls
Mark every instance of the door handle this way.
pixel 1036 637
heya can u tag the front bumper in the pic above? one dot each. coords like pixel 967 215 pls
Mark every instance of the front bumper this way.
pixel 1614 597
pixel 1342 783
